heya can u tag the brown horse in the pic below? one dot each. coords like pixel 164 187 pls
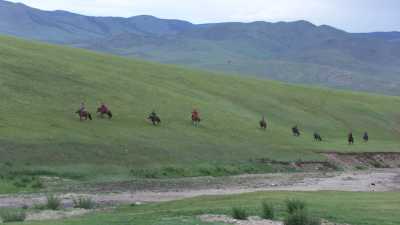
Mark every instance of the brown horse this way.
pixel 196 120
pixel 105 112
pixel 84 115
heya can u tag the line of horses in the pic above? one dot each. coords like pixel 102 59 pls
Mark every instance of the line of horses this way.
pixel 154 119
pixel 85 115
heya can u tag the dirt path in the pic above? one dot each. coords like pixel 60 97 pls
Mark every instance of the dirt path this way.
pixel 107 194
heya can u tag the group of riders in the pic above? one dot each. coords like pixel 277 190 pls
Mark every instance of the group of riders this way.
pixel 153 117
pixel 318 137
pixel 155 120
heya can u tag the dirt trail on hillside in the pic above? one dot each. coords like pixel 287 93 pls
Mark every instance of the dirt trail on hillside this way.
pixel 109 194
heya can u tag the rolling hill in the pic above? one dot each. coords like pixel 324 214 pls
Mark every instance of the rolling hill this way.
pixel 297 52
pixel 42 86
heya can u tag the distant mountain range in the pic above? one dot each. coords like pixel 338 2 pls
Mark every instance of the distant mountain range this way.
pixel 297 52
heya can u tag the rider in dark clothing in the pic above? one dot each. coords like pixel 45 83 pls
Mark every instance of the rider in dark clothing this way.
pixel 153 115
pixel 350 138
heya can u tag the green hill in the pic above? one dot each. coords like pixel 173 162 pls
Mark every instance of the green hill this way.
pixel 296 52
pixel 41 87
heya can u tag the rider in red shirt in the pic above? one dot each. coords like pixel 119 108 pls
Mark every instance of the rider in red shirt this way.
pixel 195 114
pixel 103 108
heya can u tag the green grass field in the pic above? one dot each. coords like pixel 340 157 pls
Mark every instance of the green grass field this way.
pixel 342 207
pixel 41 86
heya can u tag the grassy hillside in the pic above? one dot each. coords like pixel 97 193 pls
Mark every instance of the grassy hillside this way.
pixel 296 52
pixel 42 85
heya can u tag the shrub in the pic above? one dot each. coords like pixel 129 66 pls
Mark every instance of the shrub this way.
pixel 39 207
pixel 20 184
pixel 268 211
pixel 13 216
pixel 53 202
pixel 294 205
pixel 239 213
pixel 37 184
pixel 301 217
pixel 84 203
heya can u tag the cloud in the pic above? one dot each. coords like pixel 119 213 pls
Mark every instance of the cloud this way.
pixel 351 15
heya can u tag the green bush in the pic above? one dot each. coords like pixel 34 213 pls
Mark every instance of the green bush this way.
pixel 39 207
pixel 301 217
pixel 20 184
pixel 13 216
pixel 37 184
pixel 239 213
pixel 294 205
pixel 268 211
pixel 84 203
pixel 53 202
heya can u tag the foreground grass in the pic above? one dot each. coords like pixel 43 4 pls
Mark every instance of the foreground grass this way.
pixel 42 85
pixel 343 207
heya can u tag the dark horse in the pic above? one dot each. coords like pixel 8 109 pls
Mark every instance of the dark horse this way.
pixel 263 124
pixel 105 112
pixel 366 137
pixel 155 120
pixel 83 115
pixel 317 137
pixel 196 120
pixel 350 138
pixel 295 131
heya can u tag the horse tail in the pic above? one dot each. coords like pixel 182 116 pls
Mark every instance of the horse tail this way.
pixel 90 116
pixel 110 114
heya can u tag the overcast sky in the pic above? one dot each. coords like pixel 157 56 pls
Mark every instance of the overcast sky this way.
pixel 350 15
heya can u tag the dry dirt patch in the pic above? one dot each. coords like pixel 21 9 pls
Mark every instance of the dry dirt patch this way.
pixel 365 160
pixel 56 215
pixel 250 221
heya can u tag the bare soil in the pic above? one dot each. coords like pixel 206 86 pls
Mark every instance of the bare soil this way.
pixel 369 180
pixel 249 221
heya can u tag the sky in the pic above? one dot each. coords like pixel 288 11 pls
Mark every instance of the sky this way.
pixel 349 15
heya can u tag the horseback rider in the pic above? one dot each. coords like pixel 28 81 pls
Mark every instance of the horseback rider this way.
pixel 82 108
pixel 103 108
pixel 350 138
pixel 263 123
pixel 153 115
pixel 296 131
pixel 195 115
pixel 366 137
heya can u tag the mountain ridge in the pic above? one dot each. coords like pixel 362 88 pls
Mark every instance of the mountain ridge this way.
pixel 295 52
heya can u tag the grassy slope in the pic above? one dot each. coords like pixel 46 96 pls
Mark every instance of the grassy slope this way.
pixel 343 207
pixel 42 85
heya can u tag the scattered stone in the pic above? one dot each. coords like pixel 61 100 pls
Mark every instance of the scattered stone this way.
pixel 56 215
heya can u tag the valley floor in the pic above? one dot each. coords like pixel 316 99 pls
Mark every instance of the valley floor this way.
pixel 146 191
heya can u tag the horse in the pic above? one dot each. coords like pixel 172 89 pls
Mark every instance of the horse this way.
pixel 295 131
pixel 263 124
pixel 196 120
pixel 107 112
pixel 317 137
pixel 366 137
pixel 84 115
pixel 350 139
pixel 155 120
